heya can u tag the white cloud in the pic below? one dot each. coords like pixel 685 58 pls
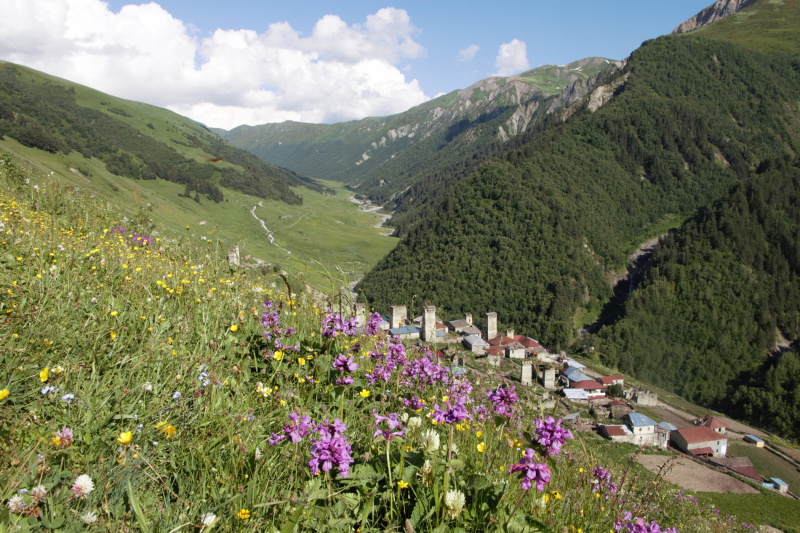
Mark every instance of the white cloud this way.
pixel 512 58
pixel 467 54
pixel 232 77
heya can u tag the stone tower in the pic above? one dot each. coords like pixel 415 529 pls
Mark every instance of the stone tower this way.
pixel 399 316
pixel 428 323
pixel 491 325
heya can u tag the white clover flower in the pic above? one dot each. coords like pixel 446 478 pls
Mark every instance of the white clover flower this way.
pixel 454 501
pixel 414 422
pixel 148 387
pixel 17 505
pixel 82 487
pixel 429 441
pixel 258 454
pixel 89 517
pixel 38 493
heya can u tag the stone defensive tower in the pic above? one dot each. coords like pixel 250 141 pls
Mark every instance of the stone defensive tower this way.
pixel 428 323
pixel 491 325
pixel 399 316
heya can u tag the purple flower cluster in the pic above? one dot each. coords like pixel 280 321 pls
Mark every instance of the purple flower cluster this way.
pixel 299 427
pixel 453 413
pixel 423 372
pixel 141 240
pixel 414 403
pixel 551 435
pixel 630 525
pixel 373 324
pixel 331 448
pixel 460 386
pixel 342 363
pixel 503 400
pixel 270 319
pixel 532 472
pixel 393 423
pixel 602 479
pixel 394 359
pixel 334 324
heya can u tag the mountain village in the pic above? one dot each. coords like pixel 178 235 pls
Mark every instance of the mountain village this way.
pixel 589 401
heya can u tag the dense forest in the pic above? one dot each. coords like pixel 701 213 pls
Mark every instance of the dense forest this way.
pixel 537 237
pixel 46 115
pixel 717 297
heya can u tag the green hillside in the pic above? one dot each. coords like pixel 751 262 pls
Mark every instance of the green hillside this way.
pixel 158 167
pixel 767 26
pixel 536 237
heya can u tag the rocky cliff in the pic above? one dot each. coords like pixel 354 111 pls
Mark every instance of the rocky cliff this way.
pixel 720 9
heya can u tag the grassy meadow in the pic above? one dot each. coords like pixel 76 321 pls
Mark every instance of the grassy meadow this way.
pixel 146 385
pixel 331 241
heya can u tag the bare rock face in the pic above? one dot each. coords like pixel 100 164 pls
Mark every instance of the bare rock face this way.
pixel 720 9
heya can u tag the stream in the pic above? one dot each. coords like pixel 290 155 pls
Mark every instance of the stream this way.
pixel 270 236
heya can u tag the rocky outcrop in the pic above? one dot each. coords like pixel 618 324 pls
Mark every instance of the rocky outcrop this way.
pixel 720 9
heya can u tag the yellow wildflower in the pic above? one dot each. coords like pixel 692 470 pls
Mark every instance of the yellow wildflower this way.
pixel 125 437
pixel 365 393
pixel 244 514
pixel 167 429
pixel 43 374
pixel 402 484
pixel 278 355
pixel 481 447
pixel 301 361
pixel 4 394
pixel 234 327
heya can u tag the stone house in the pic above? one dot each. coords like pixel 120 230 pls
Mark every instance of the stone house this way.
pixel 700 441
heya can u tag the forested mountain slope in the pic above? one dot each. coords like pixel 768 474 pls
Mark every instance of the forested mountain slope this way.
pixel 535 237
pixel 133 140
pixel 718 295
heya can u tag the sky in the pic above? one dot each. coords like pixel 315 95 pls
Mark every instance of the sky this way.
pixel 233 62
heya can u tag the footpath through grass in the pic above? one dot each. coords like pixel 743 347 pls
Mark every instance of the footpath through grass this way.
pixel 146 385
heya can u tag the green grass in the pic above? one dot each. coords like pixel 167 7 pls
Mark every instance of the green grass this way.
pixel 766 508
pixel 766 26
pixel 767 463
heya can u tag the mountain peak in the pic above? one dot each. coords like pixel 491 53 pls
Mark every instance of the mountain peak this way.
pixel 718 10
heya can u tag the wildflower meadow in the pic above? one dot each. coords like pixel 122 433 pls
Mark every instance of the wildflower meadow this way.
pixel 147 385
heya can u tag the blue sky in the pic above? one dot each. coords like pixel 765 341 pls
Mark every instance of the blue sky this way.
pixel 248 61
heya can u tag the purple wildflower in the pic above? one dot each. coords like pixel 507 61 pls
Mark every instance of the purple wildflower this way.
pixel 373 324
pixel 503 400
pixel 392 422
pixel 332 447
pixel 630 525
pixel 343 363
pixel 296 430
pixel 531 471
pixel 414 403
pixel 453 413
pixel 347 380
pixel 551 435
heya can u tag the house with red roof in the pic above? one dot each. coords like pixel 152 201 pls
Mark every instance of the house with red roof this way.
pixel 700 441
pixel 616 379
pixel 711 422
pixel 592 387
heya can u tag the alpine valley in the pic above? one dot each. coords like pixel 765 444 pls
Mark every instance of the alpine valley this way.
pixel 526 195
